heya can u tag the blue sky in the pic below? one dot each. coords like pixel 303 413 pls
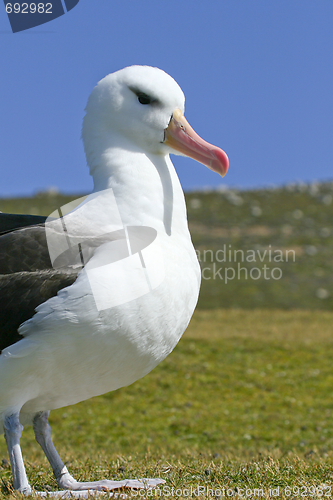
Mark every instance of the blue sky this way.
pixel 257 76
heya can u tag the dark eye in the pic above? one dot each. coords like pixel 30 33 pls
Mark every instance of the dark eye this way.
pixel 144 98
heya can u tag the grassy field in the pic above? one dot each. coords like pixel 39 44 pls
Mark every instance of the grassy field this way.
pixel 244 401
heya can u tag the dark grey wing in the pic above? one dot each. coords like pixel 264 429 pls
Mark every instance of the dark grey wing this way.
pixel 10 222
pixel 24 250
pixel 21 293
pixel 27 278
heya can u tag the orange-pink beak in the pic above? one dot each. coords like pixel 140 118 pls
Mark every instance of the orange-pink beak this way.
pixel 180 136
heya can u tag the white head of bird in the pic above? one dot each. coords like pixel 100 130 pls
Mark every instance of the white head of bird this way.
pixel 140 109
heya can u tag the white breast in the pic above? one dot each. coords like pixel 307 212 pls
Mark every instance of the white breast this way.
pixel 73 351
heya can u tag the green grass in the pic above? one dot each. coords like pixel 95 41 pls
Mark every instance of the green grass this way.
pixel 245 400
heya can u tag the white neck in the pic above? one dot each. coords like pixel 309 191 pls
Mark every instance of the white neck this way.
pixel 146 188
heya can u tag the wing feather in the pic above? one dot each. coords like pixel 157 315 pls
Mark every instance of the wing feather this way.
pixel 27 278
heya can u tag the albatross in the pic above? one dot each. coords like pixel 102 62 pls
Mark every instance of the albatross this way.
pixel 97 294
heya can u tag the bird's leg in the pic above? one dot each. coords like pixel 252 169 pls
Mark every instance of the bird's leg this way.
pixel 42 431
pixel 13 432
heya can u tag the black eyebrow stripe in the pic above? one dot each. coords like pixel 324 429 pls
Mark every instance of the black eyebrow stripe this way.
pixel 139 93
